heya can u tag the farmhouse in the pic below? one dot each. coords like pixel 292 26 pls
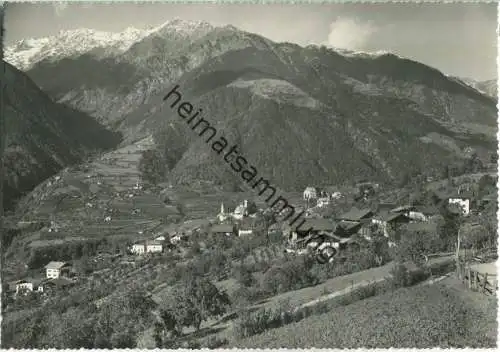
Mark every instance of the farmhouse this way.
pixel 317 226
pixel 244 231
pixel 356 214
pixel 389 220
pixel 416 227
pixel 154 247
pixel 463 200
pixel 310 193
pixel 223 229
pixel 28 285
pixel 138 248
pixel 147 247
pixel 423 213
pixel 403 209
pixel 56 269
pixel 323 202
pixel 177 237
pixel 241 210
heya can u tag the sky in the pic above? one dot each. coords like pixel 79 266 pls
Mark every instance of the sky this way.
pixel 459 39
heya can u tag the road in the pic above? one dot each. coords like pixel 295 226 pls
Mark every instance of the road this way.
pixel 325 291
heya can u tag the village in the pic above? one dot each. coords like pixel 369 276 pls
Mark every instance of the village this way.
pixel 359 218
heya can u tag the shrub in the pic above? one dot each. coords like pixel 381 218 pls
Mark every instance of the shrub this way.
pixel 242 274
pixel 250 324
pixel 288 276
pixel 214 342
pixel 400 276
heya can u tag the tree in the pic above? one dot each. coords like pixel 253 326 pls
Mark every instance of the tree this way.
pixel 152 167
pixel 243 275
pixel 448 227
pixel 121 318
pixel 170 144
pixel 414 245
pixel 195 300
pixel 472 164
pixel 486 184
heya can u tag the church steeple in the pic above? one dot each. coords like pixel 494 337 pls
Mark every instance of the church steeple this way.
pixel 222 208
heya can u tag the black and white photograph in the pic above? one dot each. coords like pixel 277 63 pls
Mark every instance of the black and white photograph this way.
pixel 179 175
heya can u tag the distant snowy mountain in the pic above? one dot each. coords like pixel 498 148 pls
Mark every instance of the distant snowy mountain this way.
pixel 72 43
pixel 488 87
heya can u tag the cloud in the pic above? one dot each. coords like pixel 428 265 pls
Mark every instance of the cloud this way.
pixel 347 33
pixel 59 8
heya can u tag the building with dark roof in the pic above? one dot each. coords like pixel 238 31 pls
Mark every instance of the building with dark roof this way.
pixel 224 229
pixel 356 214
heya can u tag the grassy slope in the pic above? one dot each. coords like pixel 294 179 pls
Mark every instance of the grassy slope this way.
pixel 426 316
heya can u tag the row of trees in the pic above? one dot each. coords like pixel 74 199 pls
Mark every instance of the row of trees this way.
pixel 114 324
pixel 191 302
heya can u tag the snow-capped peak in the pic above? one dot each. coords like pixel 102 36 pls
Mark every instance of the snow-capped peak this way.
pixel 27 52
pixel 183 26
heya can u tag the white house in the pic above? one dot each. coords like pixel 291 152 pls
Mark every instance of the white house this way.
pixel 241 210
pixel 310 193
pixel 463 202
pixel 323 202
pixel 160 238
pixel 138 248
pixel 177 238
pixel 23 285
pixel 154 247
pixel 245 232
pixel 28 286
pixel 56 269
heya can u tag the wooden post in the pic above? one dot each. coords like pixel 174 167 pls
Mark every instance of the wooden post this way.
pixel 469 278
pixel 485 282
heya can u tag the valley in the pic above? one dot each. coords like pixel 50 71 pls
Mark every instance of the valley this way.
pixel 123 229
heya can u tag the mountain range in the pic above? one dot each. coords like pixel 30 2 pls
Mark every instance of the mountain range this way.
pixel 42 136
pixel 302 115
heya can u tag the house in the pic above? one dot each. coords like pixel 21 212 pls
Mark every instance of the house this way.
pixel 28 285
pixel 310 193
pixel 176 238
pixel 56 269
pixel 275 228
pixel 347 228
pixel 385 207
pixel 404 209
pixel 423 212
pixel 356 214
pixel 416 227
pixel 223 229
pixel 323 202
pixel 316 226
pixel 154 247
pixel 138 248
pixel 245 231
pixel 241 210
pixel 463 200
pixel 160 238
pixel 389 220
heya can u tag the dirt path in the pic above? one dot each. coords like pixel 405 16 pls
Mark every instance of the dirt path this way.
pixel 325 291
